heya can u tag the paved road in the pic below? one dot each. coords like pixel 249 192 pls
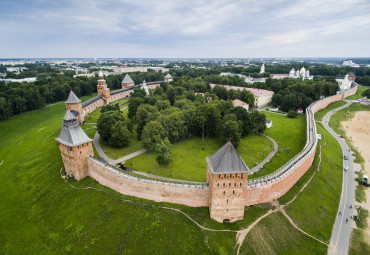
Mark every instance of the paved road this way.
pixel 339 242
pixel 267 159
pixel 108 159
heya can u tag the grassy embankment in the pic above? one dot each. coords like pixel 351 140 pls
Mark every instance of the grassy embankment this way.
pixel 358 95
pixel 314 210
pixel 320 114
pixel 42 214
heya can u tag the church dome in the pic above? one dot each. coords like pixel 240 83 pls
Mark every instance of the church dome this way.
pixel 303 70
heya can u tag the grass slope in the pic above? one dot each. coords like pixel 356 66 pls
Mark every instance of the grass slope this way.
pixel 315 209
pixel 275 235
pixel 41 214
pixel 290 135
pixel 320 114
pixel 358 95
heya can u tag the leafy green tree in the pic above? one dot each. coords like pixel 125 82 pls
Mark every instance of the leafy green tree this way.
pixel 134 103
pixel 244 117
pixel 163 151
pixel 105 123
pixel 120 136
pixel 5 109
pixel 258 121
pixel 110 107
pixel 230 132
pixel 366 93
pixel 207 119
pixel 162 104
pixel 221 92
pixel 144 114
pixel 292 114
pixel 153 133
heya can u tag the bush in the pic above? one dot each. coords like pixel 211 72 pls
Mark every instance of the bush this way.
pixel 163 152
pixel 292 114
pixel 366 93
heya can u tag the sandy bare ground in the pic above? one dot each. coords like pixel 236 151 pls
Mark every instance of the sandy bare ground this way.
pixel 359 129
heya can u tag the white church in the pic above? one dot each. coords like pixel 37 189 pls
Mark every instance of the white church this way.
pixel 302 74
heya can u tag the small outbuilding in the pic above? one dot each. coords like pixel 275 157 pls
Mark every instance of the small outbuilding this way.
pixel 300 110
pixel 268 123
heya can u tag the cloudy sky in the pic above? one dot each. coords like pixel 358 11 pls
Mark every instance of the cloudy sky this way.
pixel 184 28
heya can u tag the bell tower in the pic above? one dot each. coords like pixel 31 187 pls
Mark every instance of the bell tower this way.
pixel 227 176
pixel 75 146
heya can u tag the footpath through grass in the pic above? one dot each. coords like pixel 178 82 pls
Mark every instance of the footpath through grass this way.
pixel 315 209
pixel 320 114
pixel 189 157
pixel 290 134
pixel 275 235
pixel 42 214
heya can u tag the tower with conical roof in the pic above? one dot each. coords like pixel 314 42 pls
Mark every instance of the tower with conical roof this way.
pixel 74 105
pixel 168 78
pixel 75 146
pixel 227 177
pixel 127 82
pixel 102 87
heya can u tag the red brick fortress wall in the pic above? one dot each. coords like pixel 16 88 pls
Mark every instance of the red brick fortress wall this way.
pixel 190 195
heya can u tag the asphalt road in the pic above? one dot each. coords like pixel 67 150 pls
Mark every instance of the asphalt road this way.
pixel 339 242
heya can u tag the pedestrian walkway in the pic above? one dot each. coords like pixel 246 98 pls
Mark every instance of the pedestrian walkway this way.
pixel 269 157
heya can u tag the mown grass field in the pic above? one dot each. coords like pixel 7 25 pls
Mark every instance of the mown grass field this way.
pixel 320 114
pixel 189 157
pixel 290 134
pixel 275 235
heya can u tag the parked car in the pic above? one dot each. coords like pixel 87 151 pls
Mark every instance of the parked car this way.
pixel 345 157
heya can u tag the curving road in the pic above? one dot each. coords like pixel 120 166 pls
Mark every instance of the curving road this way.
pixel 340 238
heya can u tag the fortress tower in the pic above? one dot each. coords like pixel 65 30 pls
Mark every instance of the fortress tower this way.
pixel 102 88
pixel 73 104
pixel 351 76
pixel 127 82
pixel 227 176
pixel 75 146
pixel 168 78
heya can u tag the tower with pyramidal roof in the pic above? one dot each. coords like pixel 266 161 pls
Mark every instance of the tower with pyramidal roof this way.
pixel 127 82
pixel 75 146
pixel 73 104
pixel 227 176
pixel 102 88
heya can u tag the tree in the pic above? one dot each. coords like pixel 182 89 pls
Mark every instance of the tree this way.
pixel 110 107
pixel 163 152
pixel 207 119
pixel 120 136
pixel 5 109
pixel 162 104
pixel 243 116
pixel 153 132
pixel 366 93
pixel 105 123
pixel 144 114
pixel 292 114
pixel 258 121
pixel 221 92
pixel 133 104
pixel 230 132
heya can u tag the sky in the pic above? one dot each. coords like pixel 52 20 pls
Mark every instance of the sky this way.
pixel 184 28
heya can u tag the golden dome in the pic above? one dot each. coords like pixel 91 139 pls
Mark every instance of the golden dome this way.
pixel 302 70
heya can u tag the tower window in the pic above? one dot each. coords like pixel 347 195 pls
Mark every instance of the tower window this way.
pixel 229 184
pixel 240 184
pixel 224 192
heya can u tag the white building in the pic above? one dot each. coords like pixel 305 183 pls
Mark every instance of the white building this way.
pixel 159 68
pixel 145 88
pixel 268 123
pixel 344 83
pixel 350 63
pixel 302 74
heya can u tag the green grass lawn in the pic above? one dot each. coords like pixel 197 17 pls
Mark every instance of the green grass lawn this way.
pixel 291 137
pixel 189 155
pixel 320 114
pixel 315 209
pixel 42 214
pixel 275 235
pixel 358 95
